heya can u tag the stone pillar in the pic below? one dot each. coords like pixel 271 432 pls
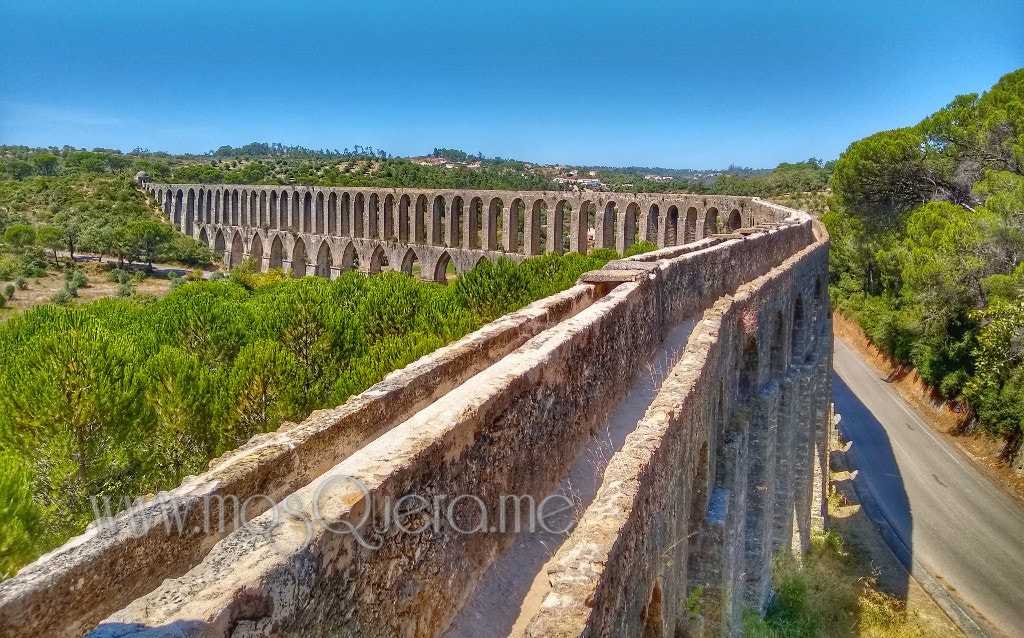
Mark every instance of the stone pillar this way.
pixel 510 221
pixel 763 428
pixel 620 235
pixel 489 221
pixel 470 228
pixel 451 228
pixel 782 519
pixel 531 234
pixel 578 232
pixel 555 230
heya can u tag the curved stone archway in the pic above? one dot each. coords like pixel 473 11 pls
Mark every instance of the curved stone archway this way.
pixel 276 254
pixel 410 261
pixel 299 259
pixel 237 254
pixel 324 261
pixel 256 252
pixel 441 268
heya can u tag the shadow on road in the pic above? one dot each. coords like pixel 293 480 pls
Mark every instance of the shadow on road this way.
pixel 878 484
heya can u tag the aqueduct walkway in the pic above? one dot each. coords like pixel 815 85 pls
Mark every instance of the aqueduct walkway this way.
pixel 327 230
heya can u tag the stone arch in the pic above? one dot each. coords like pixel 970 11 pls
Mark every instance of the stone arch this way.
pixel 318 214
pixel 699 490
pixel 404 222
pixel 209 207
pixel 584 221
pixel 796 338
pixel 652 615
pixel 491 223
pixel 419 221
pixel 296 224
pixel 605 228
pixel 748 374
pixel 472 221
pixel 409 261
pixel 218 205
pixel 165 201
pixel 349 257
pixel 373 217
pixel 275 213
pixel 690 229
pixel 671 235
pixel 284 214
pixel 178 197
pixel 204 237
pixel 263 209
pixel 710 222
pixel 276 253
pixel 388 233
pixel 358 210
pixel 324 260
pixel 299 259
pixel 455 231
pixel 219 244
pixel 533 230
pixel 332 214
pixel 237 253
pixel 468 216
pixel 254 210
pixel 345 216
pixel 437 213
pixel 378 259
pixel 651 221
pixel 514 226
pixel 735 220
pixel 556 239
pixel 307 213
pixel 441 268
pixel 231 207
pixel 190 212
pixel 256 252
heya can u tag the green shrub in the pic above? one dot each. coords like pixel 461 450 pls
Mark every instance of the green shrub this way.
pixel 640 248
pixel 8 268
pixel 75 279
pixel 21 283
pixel 9 291
pixel 63 296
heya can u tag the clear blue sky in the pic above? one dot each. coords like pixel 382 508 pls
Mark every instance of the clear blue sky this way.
pixel 676 83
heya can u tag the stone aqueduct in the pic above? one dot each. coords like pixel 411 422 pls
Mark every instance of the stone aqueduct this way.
pixel 680 399
pixel 324 231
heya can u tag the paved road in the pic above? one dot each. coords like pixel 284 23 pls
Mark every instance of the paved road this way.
pixel 948 520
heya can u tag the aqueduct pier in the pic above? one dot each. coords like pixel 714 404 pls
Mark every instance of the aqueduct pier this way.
pixel 326 230
pixel 680 399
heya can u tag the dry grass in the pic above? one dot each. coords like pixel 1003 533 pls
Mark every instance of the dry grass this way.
pixel 41 289
pixel 825 595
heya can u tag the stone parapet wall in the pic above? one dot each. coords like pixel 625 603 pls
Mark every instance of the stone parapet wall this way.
pixel 71 589
pixel 679 538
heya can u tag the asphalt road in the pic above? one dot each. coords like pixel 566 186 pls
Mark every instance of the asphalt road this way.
pixel 946 521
